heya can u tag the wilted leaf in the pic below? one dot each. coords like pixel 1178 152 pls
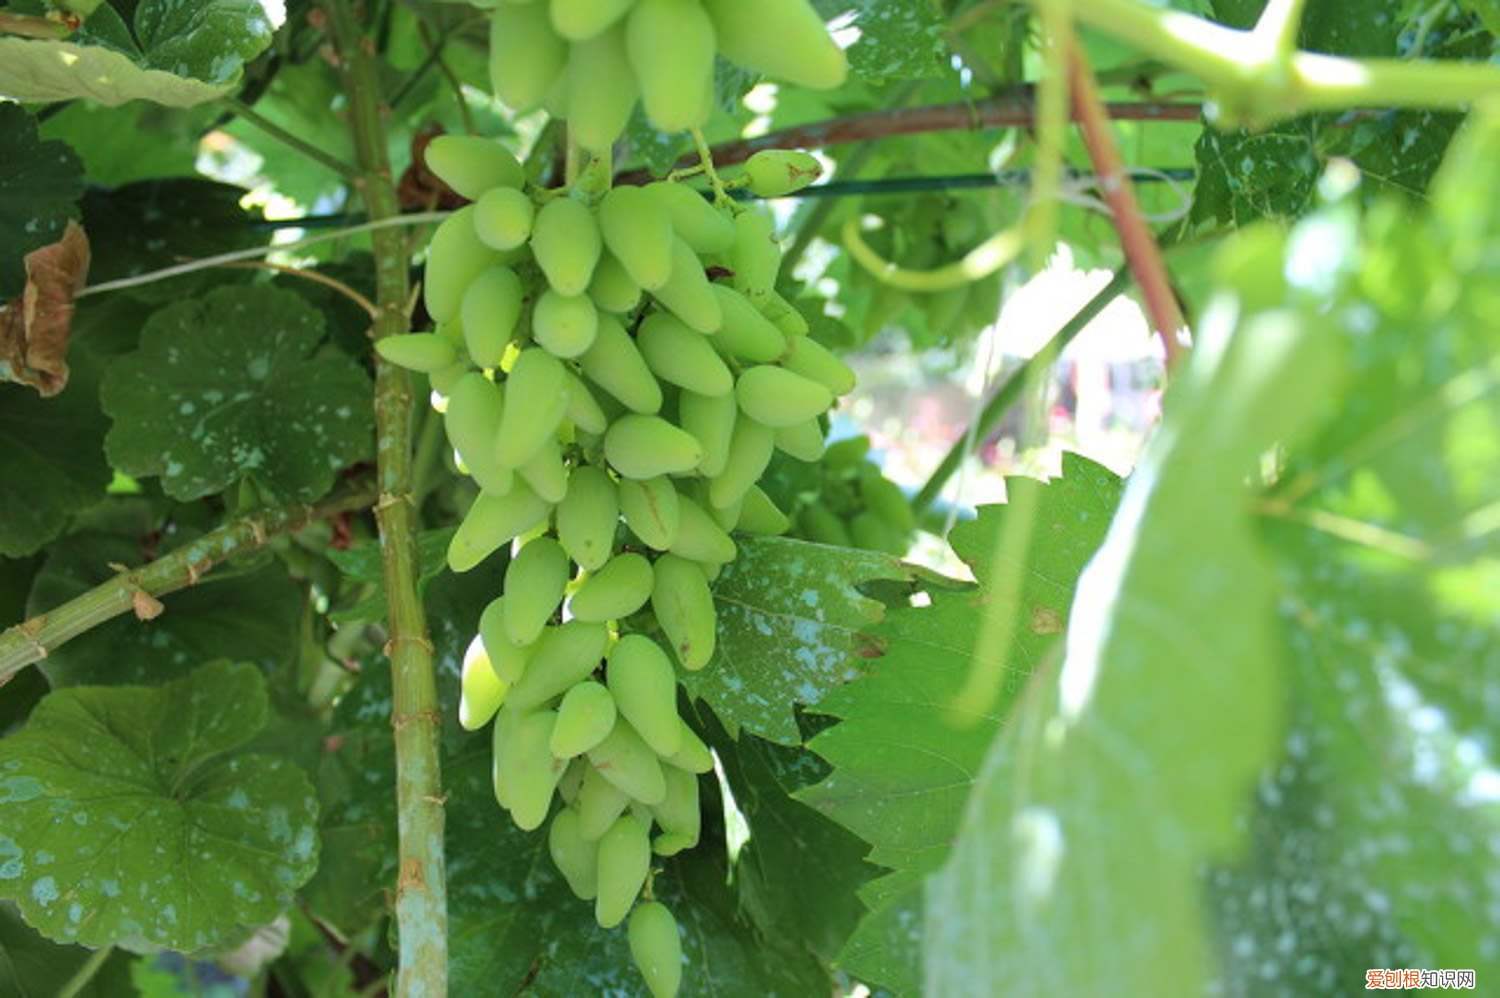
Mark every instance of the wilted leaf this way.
pixel 34 329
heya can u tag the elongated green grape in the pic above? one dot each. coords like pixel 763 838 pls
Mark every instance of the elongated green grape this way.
pixel 575 857
pixel 426 352
pixel 814 361
pixel 527 57
pixel 566 243
pixel 745 333
pixel 613 289
pixel 581 19
pixel 644 686
pixel 648 446
pixel 847 453
pixel 455 256
pixel 637 228
pixel 702 226
pixel 804 441
pixel 525 772
pixel 536 399
pixel 775 173
pixel 670 44
pixel 490 310
pixel 784 39
pixel 677 354
pixel 624 861
pixel 749 453
pixel 507 658
pixel 651 510
pixel 545 472
pixel 867 530
pixel 781 313
pixel 565 655
pixel 821 524
pixel 492 521
pixel 584 718
pixel 600 803
pixel 699 538
pixel 685 609
pixel 693 755
pixel 583 408
pixel 471 165
pixel 780 398
pixel 572 780
pixel 687 293
pixel 656 948
pixel 564 327
pixel 886 498
pixel 503 217
pixel 625 760
pixel 755 256
pixel 727 517
pixel 587 517
pixel 759 515
pixel 617 590
pixel 472 422
pixel 614 364
pixel 678 815
pixel 601 90
pixel 534 582
pixel 481 691
pixel 711 419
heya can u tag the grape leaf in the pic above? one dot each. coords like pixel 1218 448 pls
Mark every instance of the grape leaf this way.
pixel 40 184
pixel 254 400
pixel 208 41
pixel 790 623
pixel 362 564
pixel 32 966
pixel 128 822
pixel 897 39
pixel 43 71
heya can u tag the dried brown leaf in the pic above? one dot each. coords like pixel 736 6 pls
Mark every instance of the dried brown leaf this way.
pixel 35 327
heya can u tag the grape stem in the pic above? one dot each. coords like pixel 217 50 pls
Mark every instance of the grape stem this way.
pixel 286 138
pixel 706 160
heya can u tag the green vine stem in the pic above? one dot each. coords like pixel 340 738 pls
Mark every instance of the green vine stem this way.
pixel 275 131
pixel 421 888
pixel 86 972
pixel 34 639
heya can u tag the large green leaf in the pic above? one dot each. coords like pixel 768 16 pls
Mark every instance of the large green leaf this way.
pixel 897 39
pixel 40 183
pixel 253 400
pixel 127 819
pixel 208 40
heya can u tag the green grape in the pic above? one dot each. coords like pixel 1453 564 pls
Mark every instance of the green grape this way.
pixel 693 756
pixel 526 56
pixel 575 857
pixel 774 173
pixel 727 517
pixel 656 947
pixel 503 217
pixel 572 779
pixel 507 658
pixel 645 690
pixel 699 538
pixel 803 441
pixel 455 256
pixel 492 521
pixel 624 861
pixel 638 231
pixel 536 399
pixel 587 517
pixel 583 408
pixel 534 583
pixel 425 352
pixel 491 308
pixel 500 735
pixel 745 332
pixel 886 498
pixel 819 523
pixel 581 19
pixel 785 39
pixel 443 381
pixel 585 716
pixel 564 655
pixel 755 256
pixel 614 364
pixel 651 510
pixel 525 772
pixel 472 421
pixel 678 355
pixel 613 289
pixel 600 803
pixel 671 48
pixel 678 815
pixel 566 243
pixel 867 530
pixel 749 452
pixel 616 590
pixel 687 293
pixel 648 446
pixel 546 473
pixel 702 226
pixel 472 166
pixel 711 419
pixel 846 453
pixel 812 360
pixel 759 515
pixel 481 691
pixel 564 327
pixel 781 313
pixel 684 608
pixel 779 398
pixel 625 760
pixel 601 90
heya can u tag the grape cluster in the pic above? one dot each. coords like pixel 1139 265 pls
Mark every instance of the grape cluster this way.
pixel 844 499
pixel 625 360
pixel 589 60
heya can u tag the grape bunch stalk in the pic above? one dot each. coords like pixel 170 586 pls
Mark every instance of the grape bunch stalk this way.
pixel 615 375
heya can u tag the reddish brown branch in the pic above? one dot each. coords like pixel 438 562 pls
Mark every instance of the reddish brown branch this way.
pixel 1012 110
pixel 1141 251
